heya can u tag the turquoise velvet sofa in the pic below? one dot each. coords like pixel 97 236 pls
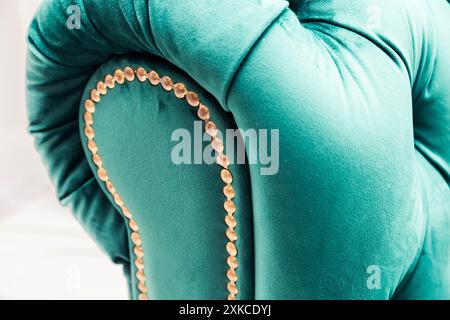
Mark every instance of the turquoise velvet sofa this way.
pixel 359 92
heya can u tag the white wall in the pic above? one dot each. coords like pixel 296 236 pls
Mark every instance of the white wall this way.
pixel 44 253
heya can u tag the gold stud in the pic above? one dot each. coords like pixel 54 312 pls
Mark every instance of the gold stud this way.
pixel 126 212
pixel 229 206
pixel 217 145
pixel 231 297
pixel 142 296
pixel 226 176
pixel 141 74
pixel 89 132
pixel 88 118
pixel 142 288
pixel 203 112
pixel 192 99
pixel 92 146
pixel 232 288
pixel 223 161
pixel 228 191
pixel 89 106
pixel 133 225
pixel 211 129
pixel 179 89
pixel 230 221
pixel 95 96
pixel 136 238
pixel 231 235
pixel 153 77
pixel 231 249
pixel 232 275
pixel 119 76
pixel 97 160
pixel 139 264
pixel 232 262
pixel 102 174
pixel 109 81
pixel 129 73
pixel 101 87
pixel 140 276
pixel 166 83
pixel 110 187
pixel 138 251
pixel 118 200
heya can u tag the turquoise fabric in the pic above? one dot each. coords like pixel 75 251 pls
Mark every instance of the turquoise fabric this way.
pixel 358 91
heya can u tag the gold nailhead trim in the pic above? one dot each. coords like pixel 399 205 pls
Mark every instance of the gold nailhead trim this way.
pixel 211 129
pixel 226 176
pixel 192 99
pixel 232 276
pixel 231 235
pixel 89 106
pixel 102 174
pixel 118 200
pixel 217 145
pixel 92 146
pixel 126 212
pixel 88 118
pixel 139 263
pixel 101 87
pixel 203 112
pixel 95 96
pixel 119 76
pixel 140 276
pixel 222 160
pixel 230 221
pixel 142 288
pixel 110 187
pixel 133 225
pixel 97 160
pixel 166 83
pixel 181 92
pixel 153 77
pixel 89 132
pixel 138 252
pixel 231 248
pixel 232 288
pixel 136 238
pixel 129 73
pixel 179 89
pixel 109 81
pixel 229 206
pixel 143 296
pixel 141 74
pixel 228 191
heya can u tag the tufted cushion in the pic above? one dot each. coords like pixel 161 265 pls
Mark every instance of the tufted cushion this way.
pixel 358 91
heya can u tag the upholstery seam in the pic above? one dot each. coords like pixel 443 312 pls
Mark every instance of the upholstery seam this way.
pixel 385 45
pixel 418 95
pixel 149 10
pixel 243 59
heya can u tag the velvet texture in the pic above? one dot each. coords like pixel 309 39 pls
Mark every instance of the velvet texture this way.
pixel 358 91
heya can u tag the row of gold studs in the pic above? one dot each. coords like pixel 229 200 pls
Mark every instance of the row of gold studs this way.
pixel 222 160
pixel 89 104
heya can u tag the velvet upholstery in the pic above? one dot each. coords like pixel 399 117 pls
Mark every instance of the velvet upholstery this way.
pixel 358 91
